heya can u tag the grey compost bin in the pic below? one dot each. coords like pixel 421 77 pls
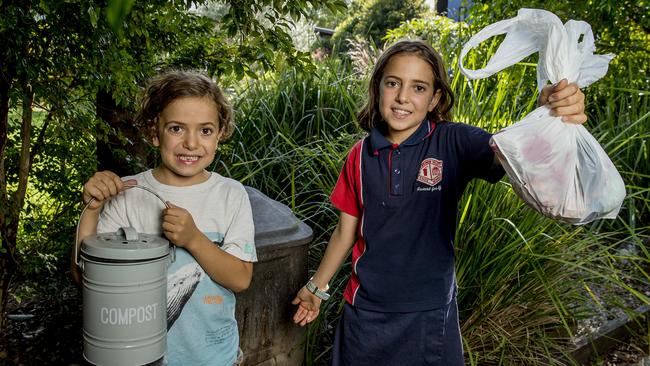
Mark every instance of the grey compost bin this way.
pixel 264 311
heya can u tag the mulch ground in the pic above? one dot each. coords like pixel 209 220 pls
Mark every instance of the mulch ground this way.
pixel 44 332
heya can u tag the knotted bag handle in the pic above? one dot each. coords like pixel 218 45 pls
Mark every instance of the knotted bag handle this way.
pixel 566 51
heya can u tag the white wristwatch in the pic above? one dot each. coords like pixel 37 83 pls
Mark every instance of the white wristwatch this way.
pixel 321 294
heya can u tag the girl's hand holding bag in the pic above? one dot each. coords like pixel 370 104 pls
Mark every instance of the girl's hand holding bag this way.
pixel 557 168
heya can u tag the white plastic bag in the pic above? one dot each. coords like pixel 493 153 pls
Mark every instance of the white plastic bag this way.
pixel 558 168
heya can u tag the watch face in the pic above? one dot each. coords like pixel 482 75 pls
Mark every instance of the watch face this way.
pixel 311 287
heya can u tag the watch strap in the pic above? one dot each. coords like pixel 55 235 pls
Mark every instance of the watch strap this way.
pixel 311 287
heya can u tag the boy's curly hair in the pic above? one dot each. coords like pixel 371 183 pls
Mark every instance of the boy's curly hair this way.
pixel 169 86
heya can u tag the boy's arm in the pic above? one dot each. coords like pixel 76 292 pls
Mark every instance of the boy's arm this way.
pixel 341 241
pixel 222 267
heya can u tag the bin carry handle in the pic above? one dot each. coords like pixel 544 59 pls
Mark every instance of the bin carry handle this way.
pixel 128 232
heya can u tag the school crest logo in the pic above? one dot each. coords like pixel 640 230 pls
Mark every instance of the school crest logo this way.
pixel 430 171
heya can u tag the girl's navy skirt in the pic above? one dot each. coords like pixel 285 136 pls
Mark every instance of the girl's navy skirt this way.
pixel 372 338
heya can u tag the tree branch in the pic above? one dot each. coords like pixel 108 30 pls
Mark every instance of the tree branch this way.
pixel 25 138
pixel 40 140
pixel 5 86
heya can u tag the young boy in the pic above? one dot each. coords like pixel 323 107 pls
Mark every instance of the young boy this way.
pixel 209 218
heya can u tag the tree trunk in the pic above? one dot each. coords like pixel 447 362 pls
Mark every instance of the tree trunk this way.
pixel 25 149
pixel 124 151
pixel 8 265
pixel 7 238
pixel 10 217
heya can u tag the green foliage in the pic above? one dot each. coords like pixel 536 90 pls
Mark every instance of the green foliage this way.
pixel 371 19
pixel 53 193
pixel 281 114
pixel 329 17
pixel 507 284
pixel 117 11
pixel 442 33
pixel 61 167
pixel 622 126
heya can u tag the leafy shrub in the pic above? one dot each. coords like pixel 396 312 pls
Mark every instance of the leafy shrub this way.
pixel 370 19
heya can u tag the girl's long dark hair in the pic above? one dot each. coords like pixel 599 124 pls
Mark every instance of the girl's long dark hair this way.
pixel 369 116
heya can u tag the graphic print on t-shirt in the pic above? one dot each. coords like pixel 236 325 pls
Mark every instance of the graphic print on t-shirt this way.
pixel 216 238
pixel 430 172
pixel 180 287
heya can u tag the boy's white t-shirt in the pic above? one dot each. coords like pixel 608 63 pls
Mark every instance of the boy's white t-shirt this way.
pixel 201 324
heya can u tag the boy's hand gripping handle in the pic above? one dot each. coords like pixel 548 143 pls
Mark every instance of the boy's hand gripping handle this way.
pixel 77 241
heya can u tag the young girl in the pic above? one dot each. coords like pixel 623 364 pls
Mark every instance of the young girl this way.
pixel 209 220
pixel 398 196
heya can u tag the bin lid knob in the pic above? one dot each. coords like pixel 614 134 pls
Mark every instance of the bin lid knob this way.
pixel 129 233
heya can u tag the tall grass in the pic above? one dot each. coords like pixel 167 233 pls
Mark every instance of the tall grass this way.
pixel 293 134
pixel 623 128
pixel 280 118
pixel 523 278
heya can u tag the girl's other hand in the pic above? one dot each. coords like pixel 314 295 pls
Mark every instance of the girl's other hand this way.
pixel 102 186
pixel 565 100
pixel 308 307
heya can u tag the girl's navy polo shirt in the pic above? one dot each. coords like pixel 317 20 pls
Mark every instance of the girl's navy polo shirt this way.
pixel 406 198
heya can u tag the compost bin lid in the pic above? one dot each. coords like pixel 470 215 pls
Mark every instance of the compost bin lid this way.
pixel 125 244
